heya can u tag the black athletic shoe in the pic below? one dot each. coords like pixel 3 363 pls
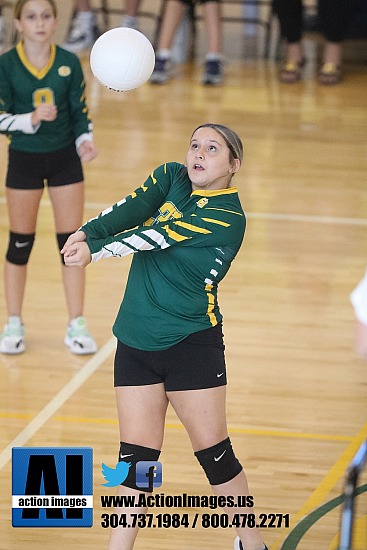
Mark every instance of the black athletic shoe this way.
pixel 213 72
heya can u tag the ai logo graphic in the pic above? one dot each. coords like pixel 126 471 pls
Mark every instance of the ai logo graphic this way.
pixel 148 474
pixel 52 487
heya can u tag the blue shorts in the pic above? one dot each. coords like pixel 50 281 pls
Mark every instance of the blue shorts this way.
pixel 197 362
pixel 33 170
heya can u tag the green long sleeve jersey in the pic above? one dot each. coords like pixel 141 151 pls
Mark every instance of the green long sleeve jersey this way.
pixel 183 243
pixel 23 88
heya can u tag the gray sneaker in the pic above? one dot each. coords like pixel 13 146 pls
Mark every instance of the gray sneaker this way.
pixel 130 22
pixel 213 72
pixel 162 72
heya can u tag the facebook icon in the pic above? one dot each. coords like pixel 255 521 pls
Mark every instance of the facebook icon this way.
pixel 148 474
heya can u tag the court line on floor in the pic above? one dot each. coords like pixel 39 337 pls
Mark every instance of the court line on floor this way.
pixel 58 400
pixel 336 472
pixel 179 426
pixel 302 218
pixel 307 218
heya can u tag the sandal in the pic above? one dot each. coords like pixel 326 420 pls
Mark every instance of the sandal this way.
pixel 330 74
pixel 291 71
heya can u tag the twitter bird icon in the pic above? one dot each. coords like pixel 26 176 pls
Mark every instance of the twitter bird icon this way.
pixel 115 476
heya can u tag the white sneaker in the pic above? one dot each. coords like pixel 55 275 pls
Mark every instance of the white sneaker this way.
pixel 78 339
pixel 12 338
pixel 83 32
pixel 239 546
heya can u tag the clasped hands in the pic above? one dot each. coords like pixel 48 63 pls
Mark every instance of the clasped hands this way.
pixel 76 251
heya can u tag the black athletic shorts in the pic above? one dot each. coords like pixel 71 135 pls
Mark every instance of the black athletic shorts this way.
pixel 197 362
pixel 33 170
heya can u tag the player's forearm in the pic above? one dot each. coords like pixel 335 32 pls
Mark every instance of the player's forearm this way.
pixel 17 123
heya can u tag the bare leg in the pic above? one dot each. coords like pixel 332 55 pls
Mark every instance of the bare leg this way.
pixel 213 25
pixel 172 16
pixel 292 67
pixel 67 202
pixel 22 211
pixel 330 72
pixel 132 7
pixel 332 53
pixel 294 52
pixel 202 412
pixel 82 5
pixel 141 412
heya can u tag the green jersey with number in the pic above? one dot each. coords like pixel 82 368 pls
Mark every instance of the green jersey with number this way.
pixel 23 88
pixel 183 243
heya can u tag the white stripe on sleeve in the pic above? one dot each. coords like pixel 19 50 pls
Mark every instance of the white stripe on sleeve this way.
pixel 22 123
pixel 156 237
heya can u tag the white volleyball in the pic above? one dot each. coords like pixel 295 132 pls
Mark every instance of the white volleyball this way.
pixel 122 59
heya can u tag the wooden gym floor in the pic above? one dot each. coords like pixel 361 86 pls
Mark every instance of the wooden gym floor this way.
pixel 297 392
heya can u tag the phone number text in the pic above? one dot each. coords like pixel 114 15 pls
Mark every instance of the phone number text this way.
pixel 167 521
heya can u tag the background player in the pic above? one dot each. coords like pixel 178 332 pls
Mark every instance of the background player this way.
pixel 44 113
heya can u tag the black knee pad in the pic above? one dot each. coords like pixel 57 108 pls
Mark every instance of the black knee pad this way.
pixel 19 247
pixel 61 240
pixel 133 454
pixel 219 462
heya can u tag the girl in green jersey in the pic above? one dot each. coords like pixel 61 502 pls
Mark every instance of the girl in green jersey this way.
pixel 189 227
pixel 44 114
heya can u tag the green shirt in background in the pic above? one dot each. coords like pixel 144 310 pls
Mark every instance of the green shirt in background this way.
pixel 23 88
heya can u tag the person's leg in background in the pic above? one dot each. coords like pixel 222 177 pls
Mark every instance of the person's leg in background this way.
pixel 290 15
pixel 130 19
pixel 67 204
pixel 22 208
pixel 213 69
pixel 334 16
pixel 83 29
pixel 173 13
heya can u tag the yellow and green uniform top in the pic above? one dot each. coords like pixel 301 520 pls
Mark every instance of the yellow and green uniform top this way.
pixel 23 87
pixel 183 243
